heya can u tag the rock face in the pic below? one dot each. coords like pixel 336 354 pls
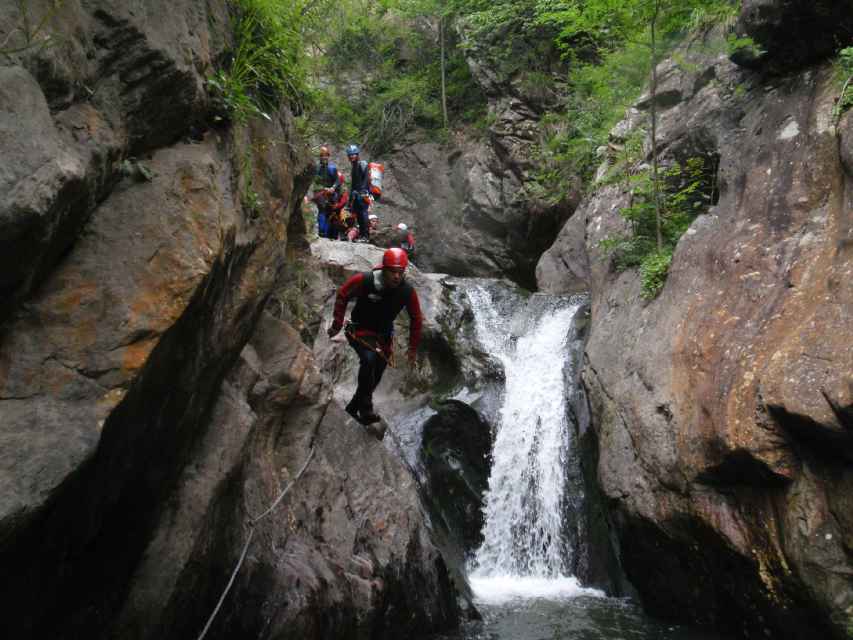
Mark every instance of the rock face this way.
pixel 723 406
pixel 149 406
pixel 345 554
pixel 119 82
pixel 468 210
pixel 822 27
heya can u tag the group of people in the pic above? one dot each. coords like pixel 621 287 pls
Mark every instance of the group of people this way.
pixel 379 294
pixel 343 213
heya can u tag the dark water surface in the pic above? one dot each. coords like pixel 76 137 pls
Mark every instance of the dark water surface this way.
pixel 580 618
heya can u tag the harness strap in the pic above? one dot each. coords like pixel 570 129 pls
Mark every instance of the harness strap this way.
pixel 389 359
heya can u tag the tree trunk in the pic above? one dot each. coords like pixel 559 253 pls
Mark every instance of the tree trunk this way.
pixel 443 70
pixel 653 96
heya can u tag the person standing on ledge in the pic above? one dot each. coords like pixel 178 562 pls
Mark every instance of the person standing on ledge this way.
pixel 359 193
pixel 380 295
pixel 328 194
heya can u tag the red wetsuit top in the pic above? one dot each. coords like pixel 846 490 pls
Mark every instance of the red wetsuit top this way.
pixel 377 307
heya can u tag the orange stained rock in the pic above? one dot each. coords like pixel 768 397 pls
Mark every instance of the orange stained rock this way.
pixel 162 297
pixel 136 354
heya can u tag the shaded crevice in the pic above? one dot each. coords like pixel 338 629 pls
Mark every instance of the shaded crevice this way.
pixel 739 468
pixel 828 442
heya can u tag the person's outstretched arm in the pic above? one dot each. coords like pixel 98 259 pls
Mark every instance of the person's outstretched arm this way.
pixel 416 321
pixel 348 290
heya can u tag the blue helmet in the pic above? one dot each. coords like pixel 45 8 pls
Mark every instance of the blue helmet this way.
pixel 352 150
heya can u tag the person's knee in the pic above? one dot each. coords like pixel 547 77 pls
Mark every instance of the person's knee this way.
pixel 370 358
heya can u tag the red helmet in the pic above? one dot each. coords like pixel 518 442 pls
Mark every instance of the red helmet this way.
pixel 395 259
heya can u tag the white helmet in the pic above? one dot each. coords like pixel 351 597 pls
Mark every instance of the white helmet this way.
pixel 402 227
pixel 373 216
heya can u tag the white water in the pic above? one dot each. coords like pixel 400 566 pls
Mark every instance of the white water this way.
pixel 524 553
pixel 498 590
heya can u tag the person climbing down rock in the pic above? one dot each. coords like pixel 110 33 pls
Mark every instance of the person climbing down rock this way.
pixel 327 197
pixel 380 295
pixel 404 239
pixel 337 219
pixel 350 224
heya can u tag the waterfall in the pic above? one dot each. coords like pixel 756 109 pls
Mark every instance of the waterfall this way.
pixel 528 547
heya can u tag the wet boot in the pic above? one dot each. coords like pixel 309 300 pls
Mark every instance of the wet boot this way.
pixel 368 416
pixel 352 409
pixel 377 430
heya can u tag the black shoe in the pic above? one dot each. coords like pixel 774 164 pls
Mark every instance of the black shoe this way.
pixel 377 430
pixel 368 417
pixel 352 409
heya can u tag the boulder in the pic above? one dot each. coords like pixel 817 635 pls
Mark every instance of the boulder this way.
pixel 467 207
pixel 46 194
pixel 456 450
pixel 792 33
pixel 112 83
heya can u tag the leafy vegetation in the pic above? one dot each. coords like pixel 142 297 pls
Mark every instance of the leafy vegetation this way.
pixel 268 63
pixel 844 71
pixel 385 71
pixel 689 191
pixel 30 32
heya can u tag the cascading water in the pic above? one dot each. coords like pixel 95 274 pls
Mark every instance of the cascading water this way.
pixel 522 360
pixel 526 548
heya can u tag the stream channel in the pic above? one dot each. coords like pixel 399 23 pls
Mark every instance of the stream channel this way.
pixel 522 573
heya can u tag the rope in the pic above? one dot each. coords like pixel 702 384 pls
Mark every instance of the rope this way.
pixel 252 523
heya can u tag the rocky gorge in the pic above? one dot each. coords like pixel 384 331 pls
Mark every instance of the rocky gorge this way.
pixel 164 375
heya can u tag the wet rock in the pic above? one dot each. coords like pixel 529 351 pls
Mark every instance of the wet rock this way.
pixel 456 452
pixel 149 407
pixel 70 355
pixel 564 267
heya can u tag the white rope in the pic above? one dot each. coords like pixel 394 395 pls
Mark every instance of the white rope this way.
pixel 228 587
pixel 282 494
pixel 252 523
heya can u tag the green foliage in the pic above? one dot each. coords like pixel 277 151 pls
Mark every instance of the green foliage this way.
pixel 406 100
pixel 845 61
pixel 598 95
pixel 249 198
pixel 379 75
pixel 268 62
pixel 508 33
pixel 596 26
pixel 704 16
pixel 690 190
pixel 607 42
pixel 743 45
pixel 844 71
pixel 653 271
pixel 29 33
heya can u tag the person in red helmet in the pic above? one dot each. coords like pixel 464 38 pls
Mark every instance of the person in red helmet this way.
pixel 380 295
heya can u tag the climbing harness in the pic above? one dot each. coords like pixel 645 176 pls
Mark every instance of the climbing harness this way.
pixel 390 360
